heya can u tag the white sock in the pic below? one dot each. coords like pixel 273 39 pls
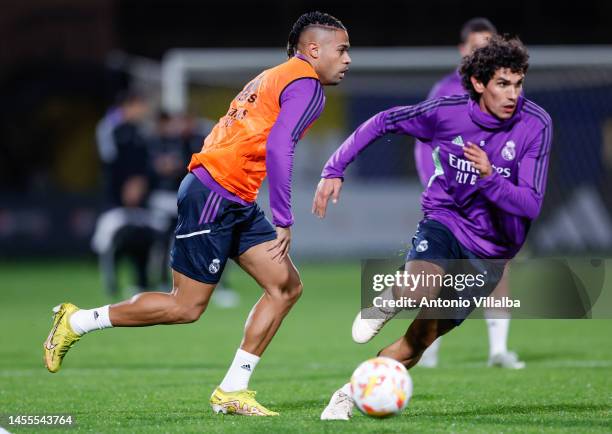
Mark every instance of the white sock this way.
pixel 498 325
pixel 85 320
pixel 387 295
pixel 239 373
pixel 430 355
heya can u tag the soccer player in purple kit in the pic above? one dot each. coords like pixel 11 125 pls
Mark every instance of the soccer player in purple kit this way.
pixel 491 151
pixel 474 34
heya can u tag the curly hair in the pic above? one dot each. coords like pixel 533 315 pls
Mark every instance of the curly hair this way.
pixel 500 52
pixel 308 19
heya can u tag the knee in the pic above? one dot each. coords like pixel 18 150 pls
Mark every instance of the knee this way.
pixel 295 291
pixel 289 293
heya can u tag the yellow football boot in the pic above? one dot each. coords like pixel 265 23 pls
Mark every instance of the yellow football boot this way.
pixel 61 337
pixel 241 402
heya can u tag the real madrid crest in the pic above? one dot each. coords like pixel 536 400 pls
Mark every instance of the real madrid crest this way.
pixel 509 151
pixel 214 266
pixel 422 246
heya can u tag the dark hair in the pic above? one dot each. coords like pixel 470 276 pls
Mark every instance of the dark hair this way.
pixel 163 116
pixel 476 25
pixel 315 18
pixel 128 96
pixel 500 52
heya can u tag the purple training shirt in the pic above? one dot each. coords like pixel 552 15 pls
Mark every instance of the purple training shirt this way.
pixel 301 103
pixel 447 86
pixel 489 216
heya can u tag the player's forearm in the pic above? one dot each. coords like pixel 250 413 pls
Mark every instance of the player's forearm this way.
pixel 517 200
pixel 280 151
pixel 301 103
pixel 279 162
pixel 416 120
pixel 361 138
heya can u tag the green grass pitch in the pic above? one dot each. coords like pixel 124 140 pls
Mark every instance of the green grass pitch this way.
pixel 159 379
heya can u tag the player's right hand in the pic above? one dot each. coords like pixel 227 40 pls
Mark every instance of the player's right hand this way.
pixel 280 248
pixel 327 188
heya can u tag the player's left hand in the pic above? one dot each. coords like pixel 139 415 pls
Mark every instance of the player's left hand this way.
pixel 280 248
pixel 479 159
pixel 327 188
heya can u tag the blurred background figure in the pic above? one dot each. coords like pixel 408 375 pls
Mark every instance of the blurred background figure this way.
pixel 127 229
pixel 168 155
pixel 173 140
pixel 123 152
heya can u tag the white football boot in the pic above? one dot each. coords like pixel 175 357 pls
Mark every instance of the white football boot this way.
pixel 507 360
pixel 371 320
pixel 340 405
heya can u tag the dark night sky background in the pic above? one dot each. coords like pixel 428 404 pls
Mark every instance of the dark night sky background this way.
pixel 433 22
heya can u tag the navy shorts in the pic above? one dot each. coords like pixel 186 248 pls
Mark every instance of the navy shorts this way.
pixel 433 242
pixel 211 229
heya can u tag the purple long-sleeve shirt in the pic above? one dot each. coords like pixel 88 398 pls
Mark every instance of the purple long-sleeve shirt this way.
pixel 490 216
pixel 301 103
pixel 447 86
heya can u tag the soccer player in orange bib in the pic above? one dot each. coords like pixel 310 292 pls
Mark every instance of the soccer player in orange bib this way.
pixel 219 219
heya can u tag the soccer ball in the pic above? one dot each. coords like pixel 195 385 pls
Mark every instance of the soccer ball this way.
pixel 381 387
